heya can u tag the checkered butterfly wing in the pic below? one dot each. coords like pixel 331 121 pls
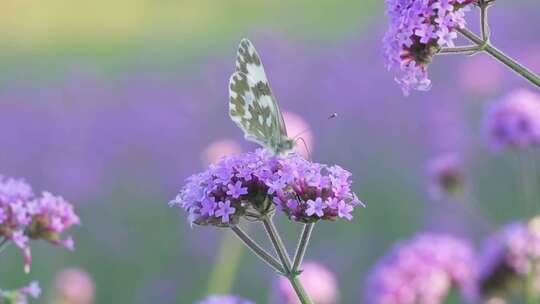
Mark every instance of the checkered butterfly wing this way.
pixel 251 103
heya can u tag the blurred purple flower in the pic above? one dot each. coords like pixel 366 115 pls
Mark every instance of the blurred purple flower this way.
pixel 224 299
pixel 20 296
pixel 319 282
pixel 509 255
pixel 445 177
pixel 74 286
pixel 253 181
pixel 514 120
pixel 24 216
pixel 422 270
pixel 418 30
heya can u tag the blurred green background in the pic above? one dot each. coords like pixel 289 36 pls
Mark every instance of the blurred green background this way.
pixel 112 103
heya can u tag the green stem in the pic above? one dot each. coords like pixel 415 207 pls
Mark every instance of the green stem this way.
pixel 4 244
pixel 460 49
pixel 299 289
pixel 257 249
pixel 531 296
pixel 484 24
pixel 284 256
pixel 277 242
pixel 302 246
pixel 502 57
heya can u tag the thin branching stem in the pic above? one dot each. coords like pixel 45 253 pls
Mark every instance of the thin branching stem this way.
pixel 468 49
pixel 257 249
pixel 3 244
pixel 303 243
pixel 275 238
pixel 530 291
pixel 484 23
pixel 277 242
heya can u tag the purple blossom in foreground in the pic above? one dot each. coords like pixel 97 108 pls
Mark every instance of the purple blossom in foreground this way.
pixel 24 216
pixel 514 121
pixel 422 271
pixel 14 215
pixel 252 183
pixel 21 295
pixel 509 256
pixel 418 30
pixel 224 299
pixel 445 177
pixel 319 282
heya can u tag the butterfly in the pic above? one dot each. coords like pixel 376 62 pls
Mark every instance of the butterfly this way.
pixel 253 107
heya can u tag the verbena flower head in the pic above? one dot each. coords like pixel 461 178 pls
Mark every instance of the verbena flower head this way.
pixel 418 30
pixel 422 271
pixel 252 184
pixel 445 176
pixel 224 299
pixel 508 256
pixel 21 295
pixel 514 120
pixel 319 282
pixel 23 216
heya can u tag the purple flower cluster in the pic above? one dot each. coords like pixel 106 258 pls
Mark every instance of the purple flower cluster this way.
pixel 20 296
pixel 320 283
pixel 508 255
pixel 418 30
pixel 24 216
pixel 252 184
pixel 422 270
pixel 514 121
pixel 224 299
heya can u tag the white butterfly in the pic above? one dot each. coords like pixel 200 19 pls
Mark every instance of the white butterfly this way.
pixel 251 103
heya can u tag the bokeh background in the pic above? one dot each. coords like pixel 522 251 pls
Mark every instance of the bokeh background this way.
pixel 113 103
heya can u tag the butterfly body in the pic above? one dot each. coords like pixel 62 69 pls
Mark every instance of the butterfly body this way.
pixel 253 107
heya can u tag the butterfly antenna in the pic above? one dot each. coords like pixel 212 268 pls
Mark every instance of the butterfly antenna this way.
pixel 305 146
pixel 297 136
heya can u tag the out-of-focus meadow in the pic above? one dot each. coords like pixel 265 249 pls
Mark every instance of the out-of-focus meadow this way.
pixel 113 103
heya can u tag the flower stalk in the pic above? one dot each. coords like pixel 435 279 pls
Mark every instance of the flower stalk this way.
pixel 3 244
pixel 280 249
pixel 277 242
pixel 302 246
pixel 284 266
pixel 257 249
pixel 530 285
